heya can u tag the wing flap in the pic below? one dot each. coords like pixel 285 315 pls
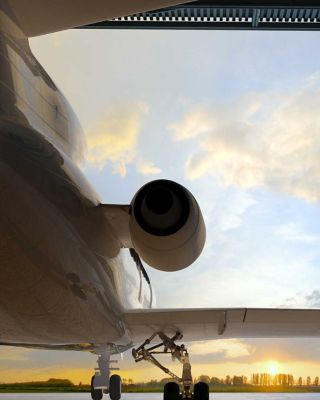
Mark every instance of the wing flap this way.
pixel 207 324
pixel 282 323
pixel 195 324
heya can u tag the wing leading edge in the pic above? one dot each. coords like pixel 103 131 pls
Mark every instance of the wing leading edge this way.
pixel 206 324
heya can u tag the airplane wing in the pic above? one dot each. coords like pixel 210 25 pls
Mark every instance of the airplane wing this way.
pixel 39 17
pixel 206 324
pixel 209 324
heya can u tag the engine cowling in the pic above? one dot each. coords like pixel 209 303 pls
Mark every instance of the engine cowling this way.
pixel 166 225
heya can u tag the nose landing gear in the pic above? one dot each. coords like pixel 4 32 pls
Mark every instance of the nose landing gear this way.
pixel 101 383
pixel 172 389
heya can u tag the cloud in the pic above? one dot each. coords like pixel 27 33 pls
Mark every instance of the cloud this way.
pixel 232 211
pixel 250 351
pixel 9 353
pixel 295 350
pixel 266 139
pixel 292 232
pixel 114 138
pixel 194 124
pixel 227 348
pixel 313 299
pixel 303 300
pixel 147 168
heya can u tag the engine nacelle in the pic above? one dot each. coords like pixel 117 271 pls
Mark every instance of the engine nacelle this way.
pixel 166 225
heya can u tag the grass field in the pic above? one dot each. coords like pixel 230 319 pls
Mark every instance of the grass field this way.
pixel 64 385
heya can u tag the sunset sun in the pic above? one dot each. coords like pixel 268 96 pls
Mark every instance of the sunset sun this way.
pixel 273 367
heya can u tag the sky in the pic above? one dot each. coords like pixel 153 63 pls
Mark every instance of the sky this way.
pixel 234 117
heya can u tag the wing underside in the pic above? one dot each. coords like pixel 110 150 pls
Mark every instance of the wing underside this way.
pixel 207 324
pixel 39 17
pixel 87 347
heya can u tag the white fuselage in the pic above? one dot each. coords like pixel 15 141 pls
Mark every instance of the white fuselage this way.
pixel 64 280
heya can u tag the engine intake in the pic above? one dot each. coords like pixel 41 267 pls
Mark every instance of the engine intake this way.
pixel 166 225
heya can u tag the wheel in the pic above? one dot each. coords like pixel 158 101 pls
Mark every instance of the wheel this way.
pixel 171 391
pixel 201 391
pixel 115 387
pixel 96 394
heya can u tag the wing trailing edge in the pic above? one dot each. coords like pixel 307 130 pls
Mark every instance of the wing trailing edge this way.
pixel 208 324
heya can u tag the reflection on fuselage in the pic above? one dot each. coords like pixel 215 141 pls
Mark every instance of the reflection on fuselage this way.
pixel 63 276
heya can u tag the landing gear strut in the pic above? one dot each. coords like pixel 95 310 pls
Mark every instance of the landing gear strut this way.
pixel 171 389
pixel 101 382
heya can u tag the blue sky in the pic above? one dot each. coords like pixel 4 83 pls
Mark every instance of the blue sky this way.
pixel 233 116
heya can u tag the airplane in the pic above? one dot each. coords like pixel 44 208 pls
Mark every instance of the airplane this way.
pixel 71 275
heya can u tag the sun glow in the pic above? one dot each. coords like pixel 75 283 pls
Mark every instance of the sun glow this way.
pixel 273 367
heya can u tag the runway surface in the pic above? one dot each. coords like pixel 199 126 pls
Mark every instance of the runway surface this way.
pixel 158 396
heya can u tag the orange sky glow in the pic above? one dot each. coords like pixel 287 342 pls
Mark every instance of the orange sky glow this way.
pixel 146 372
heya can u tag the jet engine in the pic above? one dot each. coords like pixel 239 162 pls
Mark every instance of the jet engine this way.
pixel 166 225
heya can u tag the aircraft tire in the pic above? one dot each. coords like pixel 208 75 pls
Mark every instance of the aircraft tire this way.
pixel 96 394
pixel 201 391
pixel 171 391
pixel 115 387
